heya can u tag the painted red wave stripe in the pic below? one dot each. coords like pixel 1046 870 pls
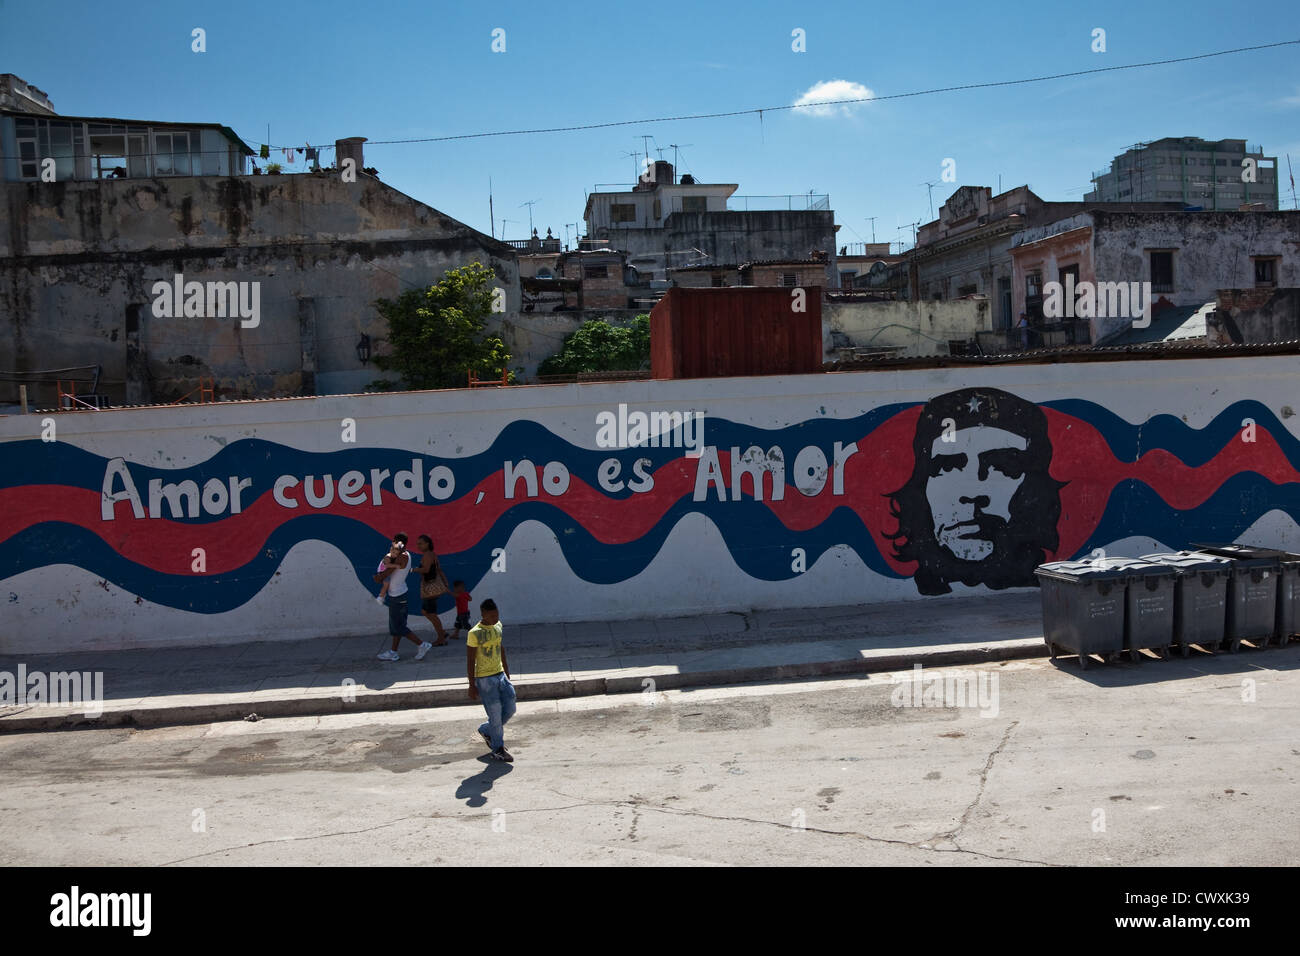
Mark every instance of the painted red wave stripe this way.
pixel 1082 458
pixel 167 545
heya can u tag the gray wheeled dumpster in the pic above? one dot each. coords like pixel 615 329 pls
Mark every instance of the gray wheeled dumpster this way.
pixel 1149 617
pixel 1083 606
pixel 1200 597
pixel 1288 600
pixel 1252 592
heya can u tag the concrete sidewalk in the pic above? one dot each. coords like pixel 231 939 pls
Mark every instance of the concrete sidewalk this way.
pixel 160 687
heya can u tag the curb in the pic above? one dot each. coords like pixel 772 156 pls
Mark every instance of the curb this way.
pixel 320 706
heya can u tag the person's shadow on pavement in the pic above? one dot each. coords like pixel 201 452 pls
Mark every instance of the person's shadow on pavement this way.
pixel 473 790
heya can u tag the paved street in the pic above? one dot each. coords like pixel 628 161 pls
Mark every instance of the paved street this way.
pixel 1162 763
pixel 162 686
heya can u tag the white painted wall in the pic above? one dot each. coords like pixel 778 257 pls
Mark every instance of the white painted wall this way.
pixel 316 592
pixel 918 328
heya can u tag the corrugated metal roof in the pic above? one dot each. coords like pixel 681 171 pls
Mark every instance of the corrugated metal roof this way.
pixel 1073 353
pixel 1170 325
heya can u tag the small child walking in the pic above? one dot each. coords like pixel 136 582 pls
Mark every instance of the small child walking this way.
pixel 489 679
pixel 462 608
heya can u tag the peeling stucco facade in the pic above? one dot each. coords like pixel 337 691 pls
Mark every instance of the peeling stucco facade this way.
pixel 79 260
pixel 1210 251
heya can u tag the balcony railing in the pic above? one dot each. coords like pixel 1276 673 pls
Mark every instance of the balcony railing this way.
pixel 788 202
pixel 536 245
pixel 867 248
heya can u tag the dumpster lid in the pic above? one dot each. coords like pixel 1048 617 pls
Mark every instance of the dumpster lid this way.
pixel 1101 569
pixel 1246 554
pixel 1190 560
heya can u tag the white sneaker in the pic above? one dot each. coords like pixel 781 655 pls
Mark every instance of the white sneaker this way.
pixel 424 649
pixel 389 656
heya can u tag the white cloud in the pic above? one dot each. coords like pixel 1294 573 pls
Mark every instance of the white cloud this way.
pixel 1291 100
pixel 829 91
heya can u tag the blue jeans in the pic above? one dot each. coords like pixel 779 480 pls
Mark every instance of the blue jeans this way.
pixel 498 696
pixel 397 615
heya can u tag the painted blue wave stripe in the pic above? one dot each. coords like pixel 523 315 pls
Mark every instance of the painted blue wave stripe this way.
pixel 1135 509
pixel 760 545
pixel 1194 447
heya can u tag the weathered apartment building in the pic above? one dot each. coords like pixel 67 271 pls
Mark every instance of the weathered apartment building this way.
pixel 857 262
pixel 967 250
pixel 665 223
pixel 1187 257
pixel 593 277
pixel 991 257
pixel 136 206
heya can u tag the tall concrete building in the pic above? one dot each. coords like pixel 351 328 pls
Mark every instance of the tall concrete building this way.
pixel 666 223
pixel 1205 174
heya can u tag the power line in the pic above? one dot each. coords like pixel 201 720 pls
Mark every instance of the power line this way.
pixel 821 103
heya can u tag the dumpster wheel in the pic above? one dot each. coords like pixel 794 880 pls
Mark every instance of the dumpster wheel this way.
pixel 1187 649
pixel 1083 661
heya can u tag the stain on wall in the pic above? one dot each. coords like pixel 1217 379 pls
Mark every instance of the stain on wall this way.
pixel 78 256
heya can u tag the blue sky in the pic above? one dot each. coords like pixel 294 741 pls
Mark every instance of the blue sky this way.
pixel 323 70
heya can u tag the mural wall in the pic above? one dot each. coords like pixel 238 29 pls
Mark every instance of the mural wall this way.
pixel 264 520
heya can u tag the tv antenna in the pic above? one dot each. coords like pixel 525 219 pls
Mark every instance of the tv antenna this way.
pixel 530 204
pixel 872 220
pixel 929 188
pixel 635 154
pixel 675 147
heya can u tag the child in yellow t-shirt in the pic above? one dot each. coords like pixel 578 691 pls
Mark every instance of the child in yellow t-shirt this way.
pixel 489 679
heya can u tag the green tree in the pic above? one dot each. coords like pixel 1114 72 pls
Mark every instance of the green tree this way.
pixel 436 335
pixel 597 346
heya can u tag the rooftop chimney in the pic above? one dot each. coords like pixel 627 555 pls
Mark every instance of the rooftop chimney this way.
pixel 350 148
